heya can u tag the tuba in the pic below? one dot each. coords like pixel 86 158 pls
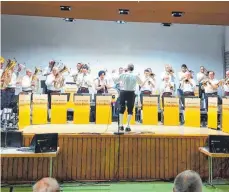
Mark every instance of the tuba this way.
pixel 59 83
pixel 7 73
pixel 35 79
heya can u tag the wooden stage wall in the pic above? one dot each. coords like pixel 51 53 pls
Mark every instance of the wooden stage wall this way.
pixel 95 157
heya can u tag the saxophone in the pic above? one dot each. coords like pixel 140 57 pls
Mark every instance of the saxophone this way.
pixel 59 83
pixel 7 73
pixel 35 79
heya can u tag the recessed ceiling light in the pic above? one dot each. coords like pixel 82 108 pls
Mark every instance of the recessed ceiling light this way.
pixel 65 8
pixel 123 11
pixel 69 19
pixel 166 24
pixel 120 22
pixel 177 14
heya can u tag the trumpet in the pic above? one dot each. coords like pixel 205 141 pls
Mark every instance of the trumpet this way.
pixel 59 83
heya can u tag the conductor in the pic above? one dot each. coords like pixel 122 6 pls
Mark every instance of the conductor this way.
pixel 127 94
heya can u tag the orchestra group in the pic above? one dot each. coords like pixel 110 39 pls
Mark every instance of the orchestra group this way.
pixel 58 76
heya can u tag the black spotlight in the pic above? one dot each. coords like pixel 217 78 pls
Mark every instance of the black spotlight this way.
pixel 123 11
pixel 177 14
pixel 69 19
pixel 65 8
pixel 166 24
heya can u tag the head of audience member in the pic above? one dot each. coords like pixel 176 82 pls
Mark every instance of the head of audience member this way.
pixel 55 70
pixel 188 75
pixel 166 78
pixel 211 74
pixel 167 67
pixel 120 70
pixel 85 69
pixel 227 74
pixel 130 67
pixel 202 69
pixel 187 181
pixel 146 72
pixel 28 72
pixel 51 63
pixel 102 74
pixel 184 68
pixel 46 184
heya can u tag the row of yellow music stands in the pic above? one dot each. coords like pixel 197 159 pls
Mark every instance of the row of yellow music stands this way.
pixel 81 106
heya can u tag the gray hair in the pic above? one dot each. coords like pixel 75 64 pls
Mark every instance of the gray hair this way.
pixel 188 181
pixel 46 184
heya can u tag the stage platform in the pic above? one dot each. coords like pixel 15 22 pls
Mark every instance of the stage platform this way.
pixel 93 153
pixel 159 130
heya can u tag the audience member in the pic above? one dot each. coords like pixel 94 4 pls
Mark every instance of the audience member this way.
pixel 46 184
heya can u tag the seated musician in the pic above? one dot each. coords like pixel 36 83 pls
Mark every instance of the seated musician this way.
pixel 51 79
pixel 84 80
pixel 226 85
pixel 210 86
pixel 167 88
pixel 147 88
pixel 187 85
pixel 27 82
pixel 101 83
pixel 168 72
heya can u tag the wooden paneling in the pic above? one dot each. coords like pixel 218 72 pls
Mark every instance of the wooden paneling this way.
pixel 109 157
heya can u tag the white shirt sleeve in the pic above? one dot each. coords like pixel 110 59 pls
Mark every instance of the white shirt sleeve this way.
pixel 46 71
pixel 13 80
pixel 49 80
pixel 139 81
pixel 25 82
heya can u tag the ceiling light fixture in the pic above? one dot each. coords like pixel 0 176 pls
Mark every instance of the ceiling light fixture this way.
pixel 177 14
pixel 65 8
pixel 123 11
pixel 69 19
pixel 120 22
pixel 166 24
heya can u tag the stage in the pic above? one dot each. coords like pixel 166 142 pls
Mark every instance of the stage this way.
pixel 92 152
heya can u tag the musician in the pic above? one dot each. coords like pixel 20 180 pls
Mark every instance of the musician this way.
pixel 167 88
pixel 201 76
pixel 127 94
pixel 147 88
pixel 27 82
pixel 187 86
pixel 72 76
pixel 47 71
pixel 226 84
pixel 102 83
pixel 168 72
pixel 84 80
pixel 51 79
pixel 211 87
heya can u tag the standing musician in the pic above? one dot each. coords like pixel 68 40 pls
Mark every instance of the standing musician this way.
pixel 201 76
pixel 50 81
pixel 27 82
pixel 167 88
pixel 210 87
pixel 182 76
pixel 83 81
pixel 47 71
pixel 127 94
pixel 102 83
pixel 170 73
pixel 226 84
pixel 187 86
pixel 72 77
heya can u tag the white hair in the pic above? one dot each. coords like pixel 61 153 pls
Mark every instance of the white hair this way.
pixel 46 184
pixel 188 181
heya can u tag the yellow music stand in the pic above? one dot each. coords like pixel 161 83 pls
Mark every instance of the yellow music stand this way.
pixel 150 110
pixel 171 111
pixel 213 112
pixel 24 110
pixel 225 115
pixel 59 109
pixel 192 112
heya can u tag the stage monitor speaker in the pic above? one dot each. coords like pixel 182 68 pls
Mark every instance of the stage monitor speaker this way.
pixel 12 138
pixel 218 143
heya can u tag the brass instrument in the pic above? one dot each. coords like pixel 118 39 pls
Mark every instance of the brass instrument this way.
pixel 2 60
pixel 7 73
pixel 226 82
pixel 59 83
pixel 35 79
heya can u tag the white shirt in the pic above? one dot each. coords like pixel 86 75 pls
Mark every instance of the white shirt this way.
pixel 129 81
pixel 226 88
pixel 46 71
pixel 187 87
pixel 70 77
pixel 200 77
pixel 13 81
pixel 50 84
pixel 148 85
pixel 26 83
pixel 209 89
pixel 84 81
pixel 165 87
pixel 1 71
pixel 181 75
pixel 171 78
